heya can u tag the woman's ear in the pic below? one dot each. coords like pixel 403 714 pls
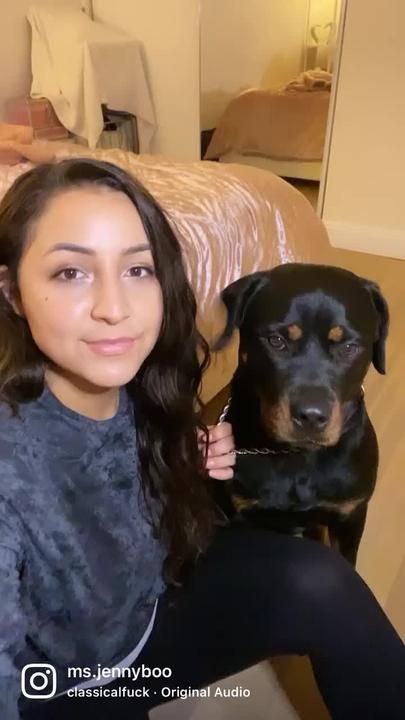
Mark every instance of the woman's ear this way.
pixel 6 289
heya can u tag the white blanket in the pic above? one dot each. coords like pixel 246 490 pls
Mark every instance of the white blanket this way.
pixel 79 64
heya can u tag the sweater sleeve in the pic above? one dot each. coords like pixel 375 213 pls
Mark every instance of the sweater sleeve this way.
pixel 12 620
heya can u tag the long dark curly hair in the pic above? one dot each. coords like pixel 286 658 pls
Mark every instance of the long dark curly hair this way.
pixel 165 390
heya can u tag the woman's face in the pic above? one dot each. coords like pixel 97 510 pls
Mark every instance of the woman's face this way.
pixel 88 289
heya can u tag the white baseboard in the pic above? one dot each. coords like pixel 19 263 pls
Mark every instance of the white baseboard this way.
pixel 367 239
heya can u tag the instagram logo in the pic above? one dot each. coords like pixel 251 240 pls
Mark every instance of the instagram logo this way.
pixel 38 680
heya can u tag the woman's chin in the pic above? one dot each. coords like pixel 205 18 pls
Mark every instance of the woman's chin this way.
pixel 112 377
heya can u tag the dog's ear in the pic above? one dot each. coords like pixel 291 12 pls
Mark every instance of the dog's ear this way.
pixel 381 307
pixel 236 298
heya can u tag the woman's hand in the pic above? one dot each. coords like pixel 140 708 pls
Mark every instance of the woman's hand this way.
pixel 221 456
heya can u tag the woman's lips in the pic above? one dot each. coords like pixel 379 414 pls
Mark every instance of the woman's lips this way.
pixel 111 347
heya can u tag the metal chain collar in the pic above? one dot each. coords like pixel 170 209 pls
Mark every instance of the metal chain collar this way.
pixel 266 451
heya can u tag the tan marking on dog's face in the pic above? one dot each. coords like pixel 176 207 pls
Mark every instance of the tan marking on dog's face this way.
pixel 335 333
pixel 240 503
pixel 277 419
pixel 334 427
pixel 243 356
pixel 294 332
pixel 278 423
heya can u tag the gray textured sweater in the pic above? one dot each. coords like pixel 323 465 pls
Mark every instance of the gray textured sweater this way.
pixel 80 569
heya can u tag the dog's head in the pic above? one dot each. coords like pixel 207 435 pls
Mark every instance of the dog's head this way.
pixel 308 334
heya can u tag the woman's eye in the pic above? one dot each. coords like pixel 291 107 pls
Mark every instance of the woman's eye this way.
pixel 277 342
pixel 140 271
pixel 69 274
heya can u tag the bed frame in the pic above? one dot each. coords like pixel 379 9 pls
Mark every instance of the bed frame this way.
pixel 299 169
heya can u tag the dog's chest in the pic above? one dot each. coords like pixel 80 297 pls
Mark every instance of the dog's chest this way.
pixel 302 482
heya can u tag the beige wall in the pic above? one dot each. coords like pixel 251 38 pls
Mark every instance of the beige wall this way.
pixel 363 204
pixel 322 12
pixel 257 43
pixel 169 32
pixel 15 48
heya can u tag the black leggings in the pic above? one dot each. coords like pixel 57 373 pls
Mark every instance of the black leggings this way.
pixel 257 594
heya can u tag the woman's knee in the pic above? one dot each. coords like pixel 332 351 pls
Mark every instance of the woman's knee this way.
pixel 270 565
pixel 318 577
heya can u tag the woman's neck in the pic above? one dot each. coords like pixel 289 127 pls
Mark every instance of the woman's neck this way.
pixel 92 402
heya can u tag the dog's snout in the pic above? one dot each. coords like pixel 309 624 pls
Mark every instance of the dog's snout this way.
pixel 311 409
pixel 311 418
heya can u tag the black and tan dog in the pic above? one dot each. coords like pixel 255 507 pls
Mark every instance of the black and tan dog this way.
pixel 307 451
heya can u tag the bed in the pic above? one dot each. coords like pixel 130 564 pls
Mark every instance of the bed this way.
pixel 283 131
pixel 230 220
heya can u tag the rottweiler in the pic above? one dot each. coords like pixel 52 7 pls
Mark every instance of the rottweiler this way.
pixel 307 453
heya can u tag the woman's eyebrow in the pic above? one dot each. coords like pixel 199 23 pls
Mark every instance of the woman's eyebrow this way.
pixel 72 247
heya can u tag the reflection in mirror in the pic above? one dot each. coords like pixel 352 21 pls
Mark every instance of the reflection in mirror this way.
pixel 266 76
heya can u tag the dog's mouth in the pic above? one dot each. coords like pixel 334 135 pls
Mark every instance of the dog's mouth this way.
pixel 311 445
pixel 307 441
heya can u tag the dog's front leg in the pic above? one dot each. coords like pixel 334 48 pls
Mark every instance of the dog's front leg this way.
pixel 346 532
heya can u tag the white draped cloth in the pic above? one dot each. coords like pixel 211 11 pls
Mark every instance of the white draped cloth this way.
pixel 80 64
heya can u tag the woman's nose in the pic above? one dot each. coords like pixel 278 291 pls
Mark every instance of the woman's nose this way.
pixel 110 302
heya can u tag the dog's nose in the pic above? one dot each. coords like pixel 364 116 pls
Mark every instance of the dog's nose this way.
pixel 310 417
pixel 311 408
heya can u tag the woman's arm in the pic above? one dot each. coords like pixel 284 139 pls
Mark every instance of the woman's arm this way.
pixel 12 620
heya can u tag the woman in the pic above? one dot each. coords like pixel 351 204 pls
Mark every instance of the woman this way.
pixel 112 556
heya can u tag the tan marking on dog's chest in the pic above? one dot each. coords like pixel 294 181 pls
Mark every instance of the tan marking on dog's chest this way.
pixel 344 508
pixel 241 503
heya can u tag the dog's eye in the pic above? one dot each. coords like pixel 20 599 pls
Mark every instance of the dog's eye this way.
pixel 350 349
pixel 277 342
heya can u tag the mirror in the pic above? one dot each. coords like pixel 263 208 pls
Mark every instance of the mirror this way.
pixel 266 78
